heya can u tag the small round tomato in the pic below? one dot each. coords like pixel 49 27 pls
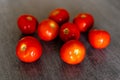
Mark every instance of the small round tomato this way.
pixel 48 30
pixel 72 52
pixel 28 49
pixel 27 24
pixel 99 38
pixel 59 15
pixel 69 31
pixel 84 21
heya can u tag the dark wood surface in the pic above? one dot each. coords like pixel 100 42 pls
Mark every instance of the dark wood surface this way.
pixel 101 64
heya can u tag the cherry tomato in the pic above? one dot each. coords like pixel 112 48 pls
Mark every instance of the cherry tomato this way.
pixel 73 52
pixel 28 49
pixel 59 15
pixel 69 31
pixel 27 24
pixel 99 38
pixel 48 30
pixel 84 21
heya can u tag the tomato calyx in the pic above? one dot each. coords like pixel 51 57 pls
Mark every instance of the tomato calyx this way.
pixel 29 18
pixel 52 25
pixel 55 13
pixel 66 31
pixel 83 16
pixel 23 47
pixel 76 51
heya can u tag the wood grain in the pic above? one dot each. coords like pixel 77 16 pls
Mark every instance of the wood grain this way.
pixel 101 64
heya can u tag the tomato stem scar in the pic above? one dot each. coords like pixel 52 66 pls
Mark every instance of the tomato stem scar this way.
pixel 29 18
pixel 83 16
pixel 66 31
pixel 23 47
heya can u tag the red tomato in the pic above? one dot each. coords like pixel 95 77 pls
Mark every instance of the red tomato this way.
pixel 59 15
pixel 27 24
pixel 84 21
pixel 99 38
pixel 72 52
pixel 48 30
pixel 28 49
pixel 69 31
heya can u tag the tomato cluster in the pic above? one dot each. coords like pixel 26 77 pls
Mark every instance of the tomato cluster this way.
pixel 73 51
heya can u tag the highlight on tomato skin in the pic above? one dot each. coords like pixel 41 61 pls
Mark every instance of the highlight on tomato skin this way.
pixel 99 38
pixel 27 23
pixel 84 21
pixel 28 49
pixel 59 15
pixel 72 52
pixel 69 31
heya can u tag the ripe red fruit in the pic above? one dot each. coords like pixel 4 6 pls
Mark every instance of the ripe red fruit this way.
pixel 84 21
pixel 27 24
pixel 59 15
pixel 69 31
pixel 99 38
pixel 48 30
pixel 73 52
pixel 28 49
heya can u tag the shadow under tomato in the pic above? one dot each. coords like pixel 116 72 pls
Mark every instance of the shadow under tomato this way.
pixel 71 71
pixel 31 69
pixel 52 46
pixel 33 35
pixel 84 35
pixel 96 56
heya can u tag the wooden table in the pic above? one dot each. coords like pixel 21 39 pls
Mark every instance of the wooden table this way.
pixel 101 64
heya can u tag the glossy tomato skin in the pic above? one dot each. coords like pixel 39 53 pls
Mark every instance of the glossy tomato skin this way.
pixel 28 49
pixel 59 15
pixel 27 24
pixel 73 52
pixel 99 38
pixel 84 21
pixel 69 31
pixel 48 30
